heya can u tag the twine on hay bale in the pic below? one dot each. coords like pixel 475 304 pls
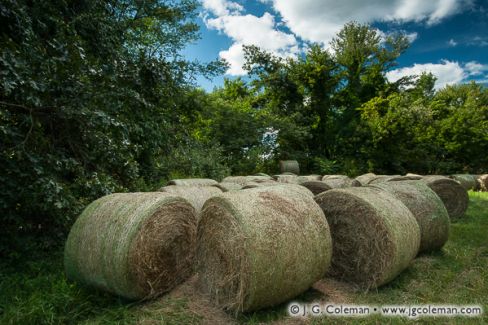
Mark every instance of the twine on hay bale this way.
pixel 290 166
pixel 228 186
pixel 195 195
pixel 452 194
pixel 426 207
pixel 374 235
pixel 316 187
pixel 260 247
pixel 135 245
pixel 193 182
pixel 467 181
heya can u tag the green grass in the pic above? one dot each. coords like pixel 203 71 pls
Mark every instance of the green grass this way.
pixel 33 290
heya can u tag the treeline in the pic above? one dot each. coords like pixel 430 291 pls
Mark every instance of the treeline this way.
pixel 96 98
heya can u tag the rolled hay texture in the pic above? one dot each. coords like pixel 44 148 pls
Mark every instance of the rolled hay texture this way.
pixel 483 182
pixel 414 176
pixel 292 179
pixel 228 186
pixel 243 180
pixel 195 195
pixel 260 247
pixel 467 181
pixel 307 178
pixel 342 182
pixel 135 245
pixel 286 186
pixel 387 178
pixel 290 166
pixel 193 182
pixel 374 235
pixel 316 187
pixel 334 176
pixel 452 194
pixel 426 207
pixel 366 178
pixel 263 174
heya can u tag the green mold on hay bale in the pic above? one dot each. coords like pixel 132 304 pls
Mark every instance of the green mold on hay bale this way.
pixel 316 187
pixel 193 182
pixel 261 247
pixel 289 166
pixel 452 194
pixel 467 181
pixel 195 195
pixel 228 186
pixel 426 207
pixel 341 182
pixel 135 245
pixel 374 235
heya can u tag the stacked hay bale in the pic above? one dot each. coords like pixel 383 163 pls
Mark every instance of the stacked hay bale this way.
pixel 483 182
pixel 289 166
pixel 228 186
pixel 286 178
pixel 366 178
pixel 135 245
pixel 288 187
pixel 375 236
pixel 193 182
pixel 452 194
pixel 260 247
pixel 426 207
pixel 308 178
pixel 316 187
pixel 467 181
pixel 195 195
pixel 243 180
pixel 340 181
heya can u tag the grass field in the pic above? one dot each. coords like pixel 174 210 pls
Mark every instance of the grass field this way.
pixel 33 289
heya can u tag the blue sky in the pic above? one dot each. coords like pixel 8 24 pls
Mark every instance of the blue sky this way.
pixel 448 37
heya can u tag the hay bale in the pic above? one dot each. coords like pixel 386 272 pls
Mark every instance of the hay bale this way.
pixel 308 178
pixel 193 182
pixel 387 178
pixel 414 176
pixel 263 174
pixel 228 186
pixel 452 194
pixel 243 180
pixel 290 166
pixel 316 187
pixel 426 207
pixel 287 186
pixel 342 182
pixel 366 178
pixel 334 176
pixel 467 181
pixel 135 245
pixel 260 247
pixel 483 182
pixel 374 235
pixel 195 195
pixel 282 178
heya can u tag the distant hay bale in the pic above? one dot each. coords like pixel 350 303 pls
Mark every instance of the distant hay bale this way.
pixel 341 182
pixel 243 180
pixel 374 235
pixel 290 166
pixel 426 207
pixel 307 178
pixel 366 178
pixel 260 247
pixel 193 182
pixel 334 176
pixel 228 186
pixel 263 174
pixel 414 176
pixel 387 178
pixel 283 178
pixel 135 245
pixel 467 181
pixel 452 194
pixel 483 182
pixel 316 187
pixel 288 187
pixel 195 195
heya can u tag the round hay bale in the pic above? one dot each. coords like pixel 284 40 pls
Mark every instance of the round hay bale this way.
pixel 228 186
pixel 260 247
pixel 386 178
pixel 292 179
pixel 452 194
pixel 307 178
pixel 334 177
pixel 287 187
pixel 243 180
pixel 467 181
pixel 374 235
pixel 483 182
pixel 195 195
pixel 366 178
pixel 135 245
pixel 341 182
pixel 290 166
pixel 316 187
pixel 426 207
pixel 414 176
pixel 193 182
pixel 264 175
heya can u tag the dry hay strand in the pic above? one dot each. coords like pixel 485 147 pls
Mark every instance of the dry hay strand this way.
pixel 195 195
pixel 243 180
pixel 426 207
pixel 467 181
pixel 316 187
pixel 260 247
pixel 135 245
pixel 307 178
pixel 228 186
pixel 193 182
pixel 452 194
pixel 342 182
pixel 374 235
pixel 286 186
pixel 483 182
pixel 289 166
pixel 285 178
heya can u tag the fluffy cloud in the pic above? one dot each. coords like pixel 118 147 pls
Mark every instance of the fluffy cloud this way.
pixel 222 7
pixel 319 21
pixel 447 72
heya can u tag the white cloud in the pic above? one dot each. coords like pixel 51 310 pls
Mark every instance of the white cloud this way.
pixel 222 7
pixel 452 42
pixel 447 72
pixel 412 36
pixel 320 20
